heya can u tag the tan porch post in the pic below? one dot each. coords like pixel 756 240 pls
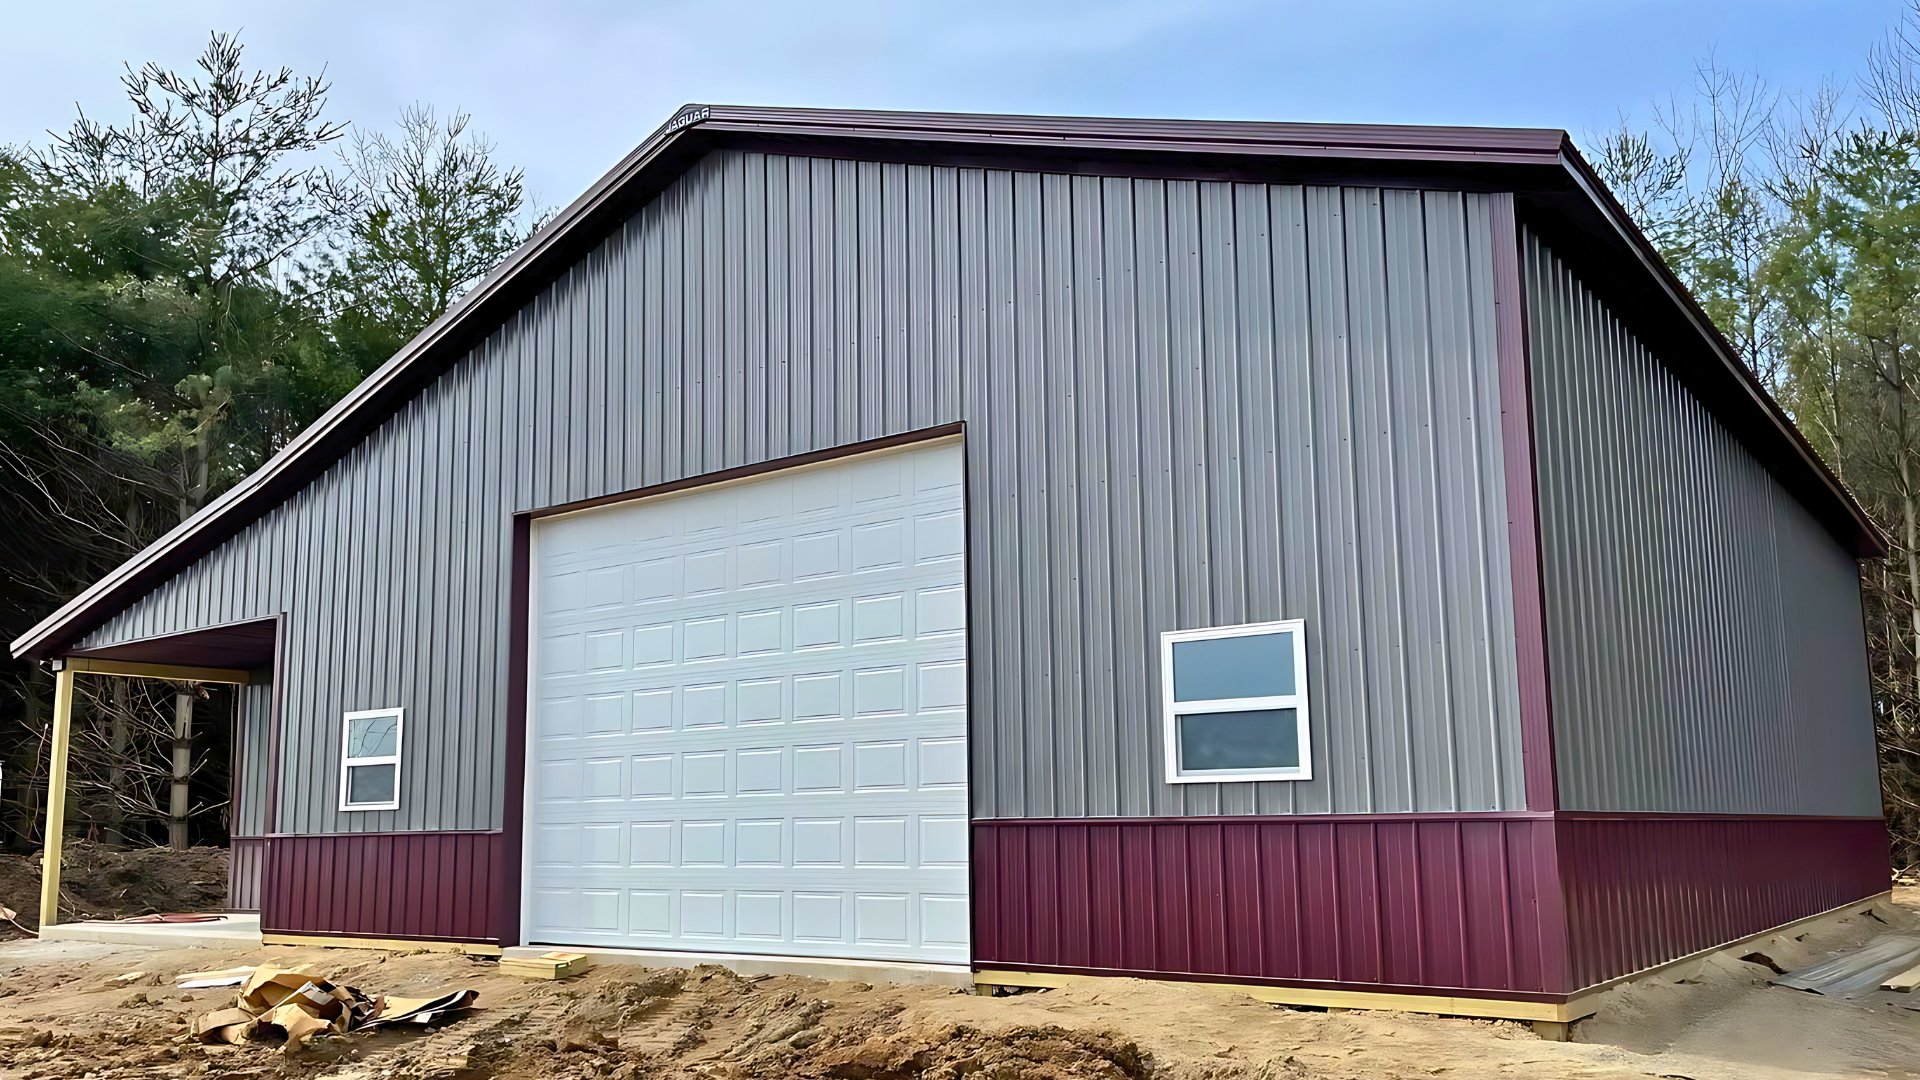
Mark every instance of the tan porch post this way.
pixel 56 797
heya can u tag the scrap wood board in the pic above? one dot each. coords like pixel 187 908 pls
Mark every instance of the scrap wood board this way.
pixel 553 965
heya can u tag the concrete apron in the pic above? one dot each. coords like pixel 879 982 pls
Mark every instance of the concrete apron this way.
pixel 865 971
pixel 237 931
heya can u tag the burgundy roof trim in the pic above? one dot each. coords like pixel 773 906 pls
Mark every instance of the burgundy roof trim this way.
pixel 1520 159
pixel 248 644
pixel 1516 145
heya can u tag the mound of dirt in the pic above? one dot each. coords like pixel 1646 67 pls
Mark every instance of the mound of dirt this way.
pixel 635 1023
pixel 98 882
pixel 956 1050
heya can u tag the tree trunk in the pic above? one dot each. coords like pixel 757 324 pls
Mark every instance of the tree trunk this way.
pixel 116 763
pixel 35 786
pixel 182 764
pixel 193 497
pixel 193 492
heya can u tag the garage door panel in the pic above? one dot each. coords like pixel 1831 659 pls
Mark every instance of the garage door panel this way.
pixel 819 804
pixel 750 717
pixel 819 909
pixel 823 617
pixel 918 666
pixel 804 696
pixel 928 739
pixel 866 546
pixel 815 880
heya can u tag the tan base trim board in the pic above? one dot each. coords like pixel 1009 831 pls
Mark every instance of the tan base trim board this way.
pixel 388 944
pixel 1445 1005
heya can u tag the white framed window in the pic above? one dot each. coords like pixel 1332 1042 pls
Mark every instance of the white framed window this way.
pixel 370 761
pixel 1235 703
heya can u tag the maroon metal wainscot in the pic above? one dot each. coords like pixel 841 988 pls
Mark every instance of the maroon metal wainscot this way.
pixel 1516 907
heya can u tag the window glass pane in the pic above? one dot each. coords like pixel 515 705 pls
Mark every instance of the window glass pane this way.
pixel 370 783
pixel 373 736
pixel 1214 669
pixel 1262 739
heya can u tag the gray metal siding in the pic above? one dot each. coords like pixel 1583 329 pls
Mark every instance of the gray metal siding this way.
pixel 1187 404
pixel 1704 632
pixel 250 772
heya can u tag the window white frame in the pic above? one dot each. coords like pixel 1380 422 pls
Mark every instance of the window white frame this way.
pixel 347 763
pixel 1171 711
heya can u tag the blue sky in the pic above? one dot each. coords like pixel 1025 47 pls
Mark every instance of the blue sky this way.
pixel 565 87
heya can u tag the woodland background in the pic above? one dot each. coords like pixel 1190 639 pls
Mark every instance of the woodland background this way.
pixel 183 291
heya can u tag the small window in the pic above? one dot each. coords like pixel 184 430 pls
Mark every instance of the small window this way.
pixel 1236 703
pixel 370 773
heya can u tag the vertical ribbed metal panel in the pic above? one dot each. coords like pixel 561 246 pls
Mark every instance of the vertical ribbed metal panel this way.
pixel 1704 632
pixel 1356 903
pixel 250 771
pixel 1642 891
pixel 1187 404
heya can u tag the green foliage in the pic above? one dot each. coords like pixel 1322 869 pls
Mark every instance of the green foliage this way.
pixel 426 214
pixel 184 291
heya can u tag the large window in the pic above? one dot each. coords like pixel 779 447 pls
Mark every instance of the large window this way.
pixel 370 773
pixel 1236 703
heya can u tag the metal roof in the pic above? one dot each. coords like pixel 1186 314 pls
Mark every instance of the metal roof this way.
pixel 1558 194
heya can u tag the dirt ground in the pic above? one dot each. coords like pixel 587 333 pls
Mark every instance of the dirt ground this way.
pixel 108 883
pixel 65 1013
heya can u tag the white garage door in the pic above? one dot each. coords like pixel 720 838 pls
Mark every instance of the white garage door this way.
pixel 750 717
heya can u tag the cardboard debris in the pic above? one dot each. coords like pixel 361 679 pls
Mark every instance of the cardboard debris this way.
pixel 420 1010
pixel 208 980
pixel 301 1004
pixel 243 972
pixel 223 1026
pixel 553 965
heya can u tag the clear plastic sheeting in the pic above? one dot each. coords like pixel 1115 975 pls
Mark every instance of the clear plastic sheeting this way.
pixel 1859 973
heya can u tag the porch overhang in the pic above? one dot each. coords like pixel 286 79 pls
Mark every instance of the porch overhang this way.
pixel 235 653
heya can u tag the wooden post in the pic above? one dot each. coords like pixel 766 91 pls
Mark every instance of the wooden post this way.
pixel 56 798
pixel 117 740
pixel 182 766
pixel 1553 1030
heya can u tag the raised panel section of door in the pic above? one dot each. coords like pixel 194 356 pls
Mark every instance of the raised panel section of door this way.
pixel 749 717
